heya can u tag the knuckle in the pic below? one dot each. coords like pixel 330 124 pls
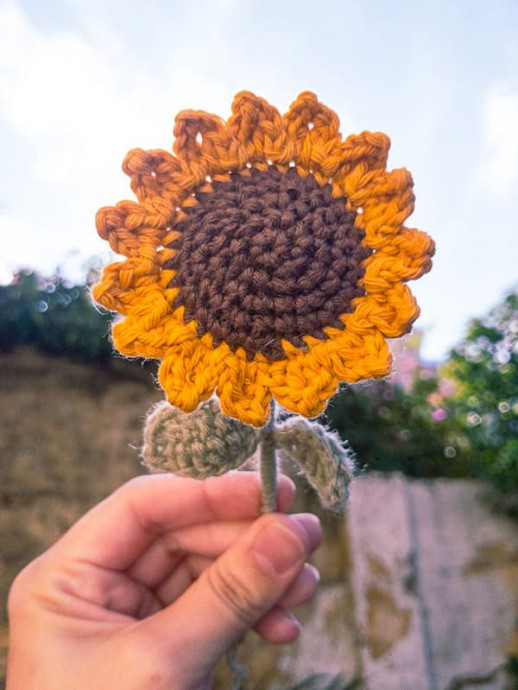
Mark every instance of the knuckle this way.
pixel 131 486
pixel 234 594
pixel 21 587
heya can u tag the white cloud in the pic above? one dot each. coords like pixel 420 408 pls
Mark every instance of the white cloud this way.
pixel 74 105
pixel 498 172
pixel 83 100
pixel 59 95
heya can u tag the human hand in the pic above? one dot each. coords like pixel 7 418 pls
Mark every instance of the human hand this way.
pixel 154 584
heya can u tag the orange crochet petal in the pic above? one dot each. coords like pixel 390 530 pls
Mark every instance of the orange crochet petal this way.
pixel 259 128
pixel 368 188
pixel 108 292
pixel 135 229
pixel 364 152
pixel 154 173
pixel 313 128
pixel 116 289
pixel 204 142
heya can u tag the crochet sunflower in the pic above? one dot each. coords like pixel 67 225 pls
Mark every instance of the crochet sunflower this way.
pixel 266 258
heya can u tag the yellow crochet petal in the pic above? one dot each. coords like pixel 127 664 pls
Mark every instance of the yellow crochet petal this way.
pixel 363 354
pixel 242 389
pixel 189 373
pixel 308 381
pixel 168 332
pixel 135 336
pixel 119 281
pixel 407 256
pixel 259 128
pixel 392 312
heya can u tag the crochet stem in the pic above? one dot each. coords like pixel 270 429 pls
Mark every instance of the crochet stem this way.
pixel 269 464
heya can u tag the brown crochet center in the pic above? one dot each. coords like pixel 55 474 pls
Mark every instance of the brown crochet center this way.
pixel 265 256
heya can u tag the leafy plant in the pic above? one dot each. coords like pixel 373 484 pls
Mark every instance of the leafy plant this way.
pixel 484 406
pixel 391 429
pixel 53 315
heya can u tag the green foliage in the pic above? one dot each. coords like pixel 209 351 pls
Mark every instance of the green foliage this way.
pixel 485 404
pixel 53 316
pixel 464 423
pixel 391 429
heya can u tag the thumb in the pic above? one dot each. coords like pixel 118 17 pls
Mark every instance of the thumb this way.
pixel 238 589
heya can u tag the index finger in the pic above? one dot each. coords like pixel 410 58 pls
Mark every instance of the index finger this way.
pixel 116 531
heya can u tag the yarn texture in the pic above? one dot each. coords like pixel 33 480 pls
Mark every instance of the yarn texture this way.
pixel 266 257
pixel 198 445
pixel 206 443
pixel 326 462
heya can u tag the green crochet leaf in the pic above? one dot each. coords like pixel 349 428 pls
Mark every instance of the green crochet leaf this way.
pixel 326 462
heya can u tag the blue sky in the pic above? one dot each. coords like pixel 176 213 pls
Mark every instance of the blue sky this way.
pixel 83 81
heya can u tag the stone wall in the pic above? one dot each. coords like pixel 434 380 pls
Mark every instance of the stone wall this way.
pixel 419 592
pixel 419 582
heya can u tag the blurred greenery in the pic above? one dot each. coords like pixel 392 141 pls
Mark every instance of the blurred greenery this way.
pixel 512 670
pixel 54 316
pixel 393 429
pixel 459 421
pixel 484 406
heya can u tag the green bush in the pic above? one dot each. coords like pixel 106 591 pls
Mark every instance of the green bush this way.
pixel 54 316
pixel 471 431
pixel 391 429
pixel 484 406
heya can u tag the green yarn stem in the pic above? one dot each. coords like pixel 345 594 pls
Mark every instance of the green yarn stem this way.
pixel 268 465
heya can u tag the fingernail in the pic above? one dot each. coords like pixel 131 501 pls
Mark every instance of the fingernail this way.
pixel 280 545
pixel 286 619
pixel 315 571
pixel 312 526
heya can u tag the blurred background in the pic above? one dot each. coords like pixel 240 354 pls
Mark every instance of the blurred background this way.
pixel 421 580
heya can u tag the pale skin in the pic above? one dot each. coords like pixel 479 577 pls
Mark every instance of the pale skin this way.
pixel 150 588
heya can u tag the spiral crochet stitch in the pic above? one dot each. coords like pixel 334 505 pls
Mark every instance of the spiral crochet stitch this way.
pixel 265 258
